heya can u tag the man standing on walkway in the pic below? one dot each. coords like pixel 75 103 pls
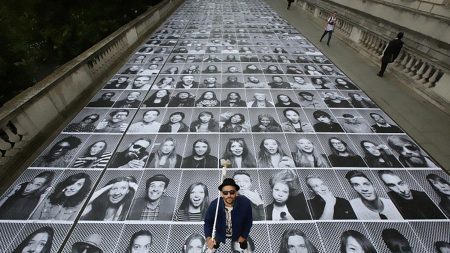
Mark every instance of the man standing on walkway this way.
pixel 391 52
pixel 234 217
pixel 289 3
pixel 329 27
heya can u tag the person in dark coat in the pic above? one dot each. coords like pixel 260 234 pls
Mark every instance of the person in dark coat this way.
pixel 234 217
pixel 391 52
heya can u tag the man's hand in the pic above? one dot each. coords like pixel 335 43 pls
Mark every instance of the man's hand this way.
pixel 210 242
pixel 137 164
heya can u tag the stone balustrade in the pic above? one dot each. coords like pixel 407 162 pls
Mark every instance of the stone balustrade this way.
pixel 40 109
pixel 426 70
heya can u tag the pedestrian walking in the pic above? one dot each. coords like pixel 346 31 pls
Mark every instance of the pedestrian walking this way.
pixel 391 52
pixel 289 4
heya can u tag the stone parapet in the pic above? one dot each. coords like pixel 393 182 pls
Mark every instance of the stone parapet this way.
pixel 39 110
pixel 424 64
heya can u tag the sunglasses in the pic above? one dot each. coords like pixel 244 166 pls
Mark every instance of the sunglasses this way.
pixel 137 146
pixel 232 192
pixel 411 147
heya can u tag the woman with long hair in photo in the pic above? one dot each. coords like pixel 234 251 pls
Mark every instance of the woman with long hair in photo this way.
pixel 66 199
pixel 207 99
pixel 175 124
pixel 205 123
pixel 272 155
pixel 194 204
pixel 233 100
pixel 40 241
pixel 306 155
pixel 238 154
pixel 165 156
pixel 289 202
pixel 284 100
pixel 158 99
pixel 295 241
pixel 21 201
pixel 182 99
pixel 442 188
pixel 266 123
pixel 167 82
pixel 95 156
pixel 111 202
pixel 379 156
pixel 234 123
pixel 200 157
pixel 342 156
pixel 354 241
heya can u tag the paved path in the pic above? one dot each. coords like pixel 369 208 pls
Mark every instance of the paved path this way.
pixel 423 121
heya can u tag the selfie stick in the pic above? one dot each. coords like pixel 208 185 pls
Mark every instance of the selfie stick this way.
pixel 225 163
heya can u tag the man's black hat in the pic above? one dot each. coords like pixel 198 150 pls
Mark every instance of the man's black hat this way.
pixel 229 181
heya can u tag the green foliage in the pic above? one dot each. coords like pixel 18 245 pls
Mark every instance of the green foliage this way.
pixel 37 36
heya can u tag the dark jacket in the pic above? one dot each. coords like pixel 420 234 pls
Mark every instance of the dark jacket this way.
pixel 342 209
pixel 166 207
pixel 166 128
pixel 208 161
pixel 392 50
pixel 241 218
pixel 420 207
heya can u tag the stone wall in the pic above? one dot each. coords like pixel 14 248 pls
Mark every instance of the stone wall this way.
pixel 30 118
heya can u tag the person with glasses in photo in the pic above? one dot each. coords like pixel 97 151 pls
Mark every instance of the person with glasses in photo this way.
pixel 60 154
pixel 341 154
pixel 234 217
pixel 115 123
pixel 91 244
pixel 134 156
pixel 87 124
pixel 368 205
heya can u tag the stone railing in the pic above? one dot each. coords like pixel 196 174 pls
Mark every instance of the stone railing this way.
pixel 40 109
pixel 425 69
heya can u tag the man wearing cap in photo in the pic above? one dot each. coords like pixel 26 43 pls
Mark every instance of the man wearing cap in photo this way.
pixel 155 205
pixel 234 217
pixel 91 244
